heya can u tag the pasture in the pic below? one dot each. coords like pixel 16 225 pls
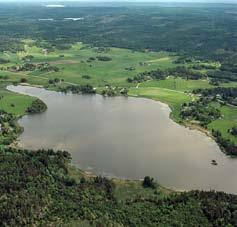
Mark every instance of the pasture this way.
pixel 81 60
pixel 12 102
pixel 228 120
pixel 173 98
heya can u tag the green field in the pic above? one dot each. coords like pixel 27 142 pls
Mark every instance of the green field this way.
pixel 178 84
pixel 173 98
pixel 73 64
pixel 12 102
pixel 228 120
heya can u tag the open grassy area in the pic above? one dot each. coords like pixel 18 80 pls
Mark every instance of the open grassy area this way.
pixel 180 84
pixel 81 60
pixel 12 102
pixel 173 98
pixel 228 121
pixel 17 76
pixel 131 189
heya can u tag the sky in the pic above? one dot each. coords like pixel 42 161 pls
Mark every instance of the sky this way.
pixel 206 1
pixel 153 0
pixel 124 0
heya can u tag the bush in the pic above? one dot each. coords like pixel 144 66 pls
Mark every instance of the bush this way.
pixel 87 77
pixel 37 106
pixel 233 131
pixel 23 80
pixel 80 89
pixel 148 182
pixel 104 58
pixel 3 61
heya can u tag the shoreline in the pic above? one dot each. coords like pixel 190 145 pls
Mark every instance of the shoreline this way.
pixel 120 180
pixel 16 143
pixel 188 125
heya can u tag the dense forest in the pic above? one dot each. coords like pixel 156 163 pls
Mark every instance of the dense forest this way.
pixel 207 32
pixel 9 129
pixel 37 189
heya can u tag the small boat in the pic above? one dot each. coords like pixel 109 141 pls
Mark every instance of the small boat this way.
pixel 213 162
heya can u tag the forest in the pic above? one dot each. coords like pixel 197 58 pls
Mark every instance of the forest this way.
pixel 41 183
pixel 203 32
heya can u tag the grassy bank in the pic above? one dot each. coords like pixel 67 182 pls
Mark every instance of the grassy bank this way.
pixel 13 103
pixel 228 120
pixel 173 98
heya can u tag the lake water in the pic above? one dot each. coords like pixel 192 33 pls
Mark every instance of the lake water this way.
pixel 127 137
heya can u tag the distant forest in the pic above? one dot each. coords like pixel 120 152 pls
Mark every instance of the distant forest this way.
pixel 204 32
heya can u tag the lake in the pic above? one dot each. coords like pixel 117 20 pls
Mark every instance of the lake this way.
pixel 126 137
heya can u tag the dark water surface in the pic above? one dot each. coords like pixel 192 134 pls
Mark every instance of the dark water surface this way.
pixel 127 137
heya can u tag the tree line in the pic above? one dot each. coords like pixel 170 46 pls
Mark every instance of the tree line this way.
pixel 222 94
